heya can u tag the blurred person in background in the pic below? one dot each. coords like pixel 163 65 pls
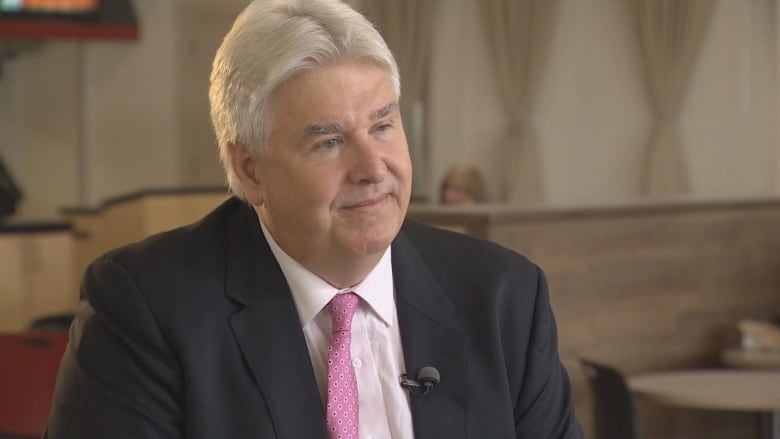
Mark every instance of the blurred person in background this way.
pixel 462 184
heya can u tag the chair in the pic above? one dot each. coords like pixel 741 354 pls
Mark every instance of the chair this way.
pixel 614 413
pixel 29 362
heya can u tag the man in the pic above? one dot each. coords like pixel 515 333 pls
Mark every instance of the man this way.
pixel 294 312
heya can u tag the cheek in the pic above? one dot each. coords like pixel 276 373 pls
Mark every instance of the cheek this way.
pixel 317 188
pixel 399 161
pixel 405 160
pixel 406 175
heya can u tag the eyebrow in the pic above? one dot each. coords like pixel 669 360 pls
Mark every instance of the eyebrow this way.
pixel 321 130
pixel 384 111
pixel 315 130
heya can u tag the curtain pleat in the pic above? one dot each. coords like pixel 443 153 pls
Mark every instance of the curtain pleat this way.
pixel 670 35
pixel 519 33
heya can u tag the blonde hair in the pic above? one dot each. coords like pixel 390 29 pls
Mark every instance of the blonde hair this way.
pixel 469 178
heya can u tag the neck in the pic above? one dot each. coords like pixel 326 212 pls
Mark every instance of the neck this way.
pixel 339 270
pixel 344 272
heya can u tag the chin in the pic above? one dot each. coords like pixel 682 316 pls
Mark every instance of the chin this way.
pixel 370 242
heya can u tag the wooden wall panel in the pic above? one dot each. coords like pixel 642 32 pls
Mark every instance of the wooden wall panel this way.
pixel 168 211
pixel 647 287
pixel 11 282
pixel 35 276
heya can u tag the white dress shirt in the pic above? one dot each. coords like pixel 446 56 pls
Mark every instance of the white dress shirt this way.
pixel 377 357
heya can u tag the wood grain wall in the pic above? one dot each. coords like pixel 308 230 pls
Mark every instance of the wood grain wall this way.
pixel 646 288
pixel 35 275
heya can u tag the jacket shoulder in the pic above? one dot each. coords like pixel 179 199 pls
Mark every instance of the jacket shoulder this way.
pixel 184 243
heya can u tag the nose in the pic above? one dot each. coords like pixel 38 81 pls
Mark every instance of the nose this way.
pixel 368 163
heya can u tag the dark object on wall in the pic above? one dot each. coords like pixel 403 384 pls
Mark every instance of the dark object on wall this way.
pixel 57 322
pixel 10 195
pixel 107 19
pixel 614 413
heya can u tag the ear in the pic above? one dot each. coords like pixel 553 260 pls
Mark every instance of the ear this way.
pixel 245 166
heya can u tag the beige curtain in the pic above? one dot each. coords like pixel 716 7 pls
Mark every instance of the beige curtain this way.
pixel 670 33
pixel 407 26
pixel 519 33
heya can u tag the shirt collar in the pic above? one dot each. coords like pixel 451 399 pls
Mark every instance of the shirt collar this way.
pixel 311 293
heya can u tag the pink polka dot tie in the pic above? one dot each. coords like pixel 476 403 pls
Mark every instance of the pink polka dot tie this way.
pixel 342 408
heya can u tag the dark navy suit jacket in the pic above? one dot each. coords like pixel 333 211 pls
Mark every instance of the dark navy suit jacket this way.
pixel 193 333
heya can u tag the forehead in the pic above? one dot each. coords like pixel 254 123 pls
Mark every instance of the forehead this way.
pixel 334 90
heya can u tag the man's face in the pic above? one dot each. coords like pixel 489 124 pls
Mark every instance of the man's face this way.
pixel 335 181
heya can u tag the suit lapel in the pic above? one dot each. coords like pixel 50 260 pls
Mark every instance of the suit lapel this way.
pixel 431 336
pixel 269 334
pixel 270 337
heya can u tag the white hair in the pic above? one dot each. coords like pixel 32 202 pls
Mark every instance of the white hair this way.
pixel 270 41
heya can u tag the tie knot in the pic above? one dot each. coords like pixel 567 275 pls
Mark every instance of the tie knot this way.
pixel 342 307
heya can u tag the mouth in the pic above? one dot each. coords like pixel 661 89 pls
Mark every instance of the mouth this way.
pixel 369 203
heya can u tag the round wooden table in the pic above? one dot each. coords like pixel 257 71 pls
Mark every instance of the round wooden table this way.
pixel 731 389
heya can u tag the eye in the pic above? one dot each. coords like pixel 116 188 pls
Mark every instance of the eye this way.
pixel 383 127
pixel 329 144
